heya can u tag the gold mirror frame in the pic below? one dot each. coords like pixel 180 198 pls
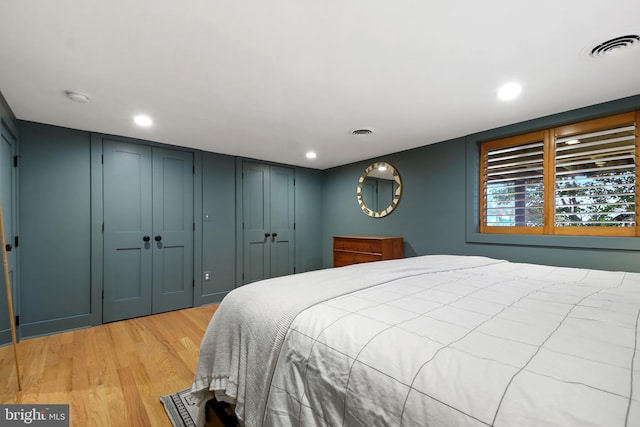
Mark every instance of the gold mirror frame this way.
pixel 397 192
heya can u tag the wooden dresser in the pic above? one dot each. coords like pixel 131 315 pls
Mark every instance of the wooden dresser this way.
pixel 349 250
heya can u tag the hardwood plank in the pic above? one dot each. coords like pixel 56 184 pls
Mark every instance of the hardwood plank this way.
pixel 112 375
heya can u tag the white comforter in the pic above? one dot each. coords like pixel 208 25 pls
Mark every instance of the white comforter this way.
pixel 429 341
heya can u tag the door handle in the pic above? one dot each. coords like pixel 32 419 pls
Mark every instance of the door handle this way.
pixel 275 235
pixel 267 234
pixel 146 238
pixel 8 247
pixel 157 238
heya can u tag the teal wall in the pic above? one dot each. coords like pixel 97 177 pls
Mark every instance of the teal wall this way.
pixel 438 210
pixel 431 213
pixel 218 232
pixel 309 207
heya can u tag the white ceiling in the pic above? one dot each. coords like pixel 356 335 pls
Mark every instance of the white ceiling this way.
pixel 273 79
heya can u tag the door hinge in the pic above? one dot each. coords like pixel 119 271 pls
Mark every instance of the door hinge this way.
pixel 294 270
pixel 194 226
pixel 16 240
pixel 243 276
pixel 15 161
pixel 103 228
pixel 17 320
pixel 103 294
pixel 193 283
pixel 294 225
pixel 194 170
pixel 102 159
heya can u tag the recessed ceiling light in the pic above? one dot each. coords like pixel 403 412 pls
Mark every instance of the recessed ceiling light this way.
pixel 311 155
pixel 80 97
pixel 509 91
pixel 573 142
pixel 382 168
pixel 142 120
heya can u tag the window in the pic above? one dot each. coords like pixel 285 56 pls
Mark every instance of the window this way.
pixel 578 179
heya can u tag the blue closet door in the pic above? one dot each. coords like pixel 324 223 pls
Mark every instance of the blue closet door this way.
pixel 256 222
pixel 7 147
pixel 268 221
pixel 172 230
pixel 282 221
pixel 127 224
pixel 148 230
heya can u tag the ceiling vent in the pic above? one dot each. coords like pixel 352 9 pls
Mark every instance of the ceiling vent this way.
pixel 362 132
pixel 613 44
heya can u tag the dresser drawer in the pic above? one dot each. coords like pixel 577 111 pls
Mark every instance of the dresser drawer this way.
pixel 358 245
pixel 341 259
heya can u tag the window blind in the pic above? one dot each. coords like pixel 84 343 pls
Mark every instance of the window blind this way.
pixel 595 179
pixel 513 190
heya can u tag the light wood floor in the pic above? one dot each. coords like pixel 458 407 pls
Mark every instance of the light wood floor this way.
pixel 113 374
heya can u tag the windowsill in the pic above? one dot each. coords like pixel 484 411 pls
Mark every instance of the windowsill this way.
pixel 585 242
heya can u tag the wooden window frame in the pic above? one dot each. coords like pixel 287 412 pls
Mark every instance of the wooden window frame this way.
pixel 549 136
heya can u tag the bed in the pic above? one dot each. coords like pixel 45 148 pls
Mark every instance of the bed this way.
pixel 435 340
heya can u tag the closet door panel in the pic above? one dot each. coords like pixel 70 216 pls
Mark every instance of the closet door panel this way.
pixel 173 271
pixel 256 222
pixel 282 221
pixel 172 230
pixel 127 219
pixel 255 267
pixel 128 282
pixel 281 258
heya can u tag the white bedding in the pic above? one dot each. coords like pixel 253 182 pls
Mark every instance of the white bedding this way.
pixel 435 340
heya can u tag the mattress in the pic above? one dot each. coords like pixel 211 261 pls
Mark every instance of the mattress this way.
pixel 433 340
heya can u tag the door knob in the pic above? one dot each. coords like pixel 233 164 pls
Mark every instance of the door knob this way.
pixel 157 238
pixel 275 234
pixel 146 238
pixel 267 234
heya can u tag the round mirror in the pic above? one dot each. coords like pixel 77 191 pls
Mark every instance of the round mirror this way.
pixel 379 189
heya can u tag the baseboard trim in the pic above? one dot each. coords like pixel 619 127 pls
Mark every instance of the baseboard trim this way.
pixel 209 299
pixel 48 327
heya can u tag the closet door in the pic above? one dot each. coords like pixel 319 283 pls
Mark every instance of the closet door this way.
pixel 256 222
pixel 127 230
pixel 282 221
pixel 172 230
pixel 7 147
pixel 148 230
pixel 268 221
